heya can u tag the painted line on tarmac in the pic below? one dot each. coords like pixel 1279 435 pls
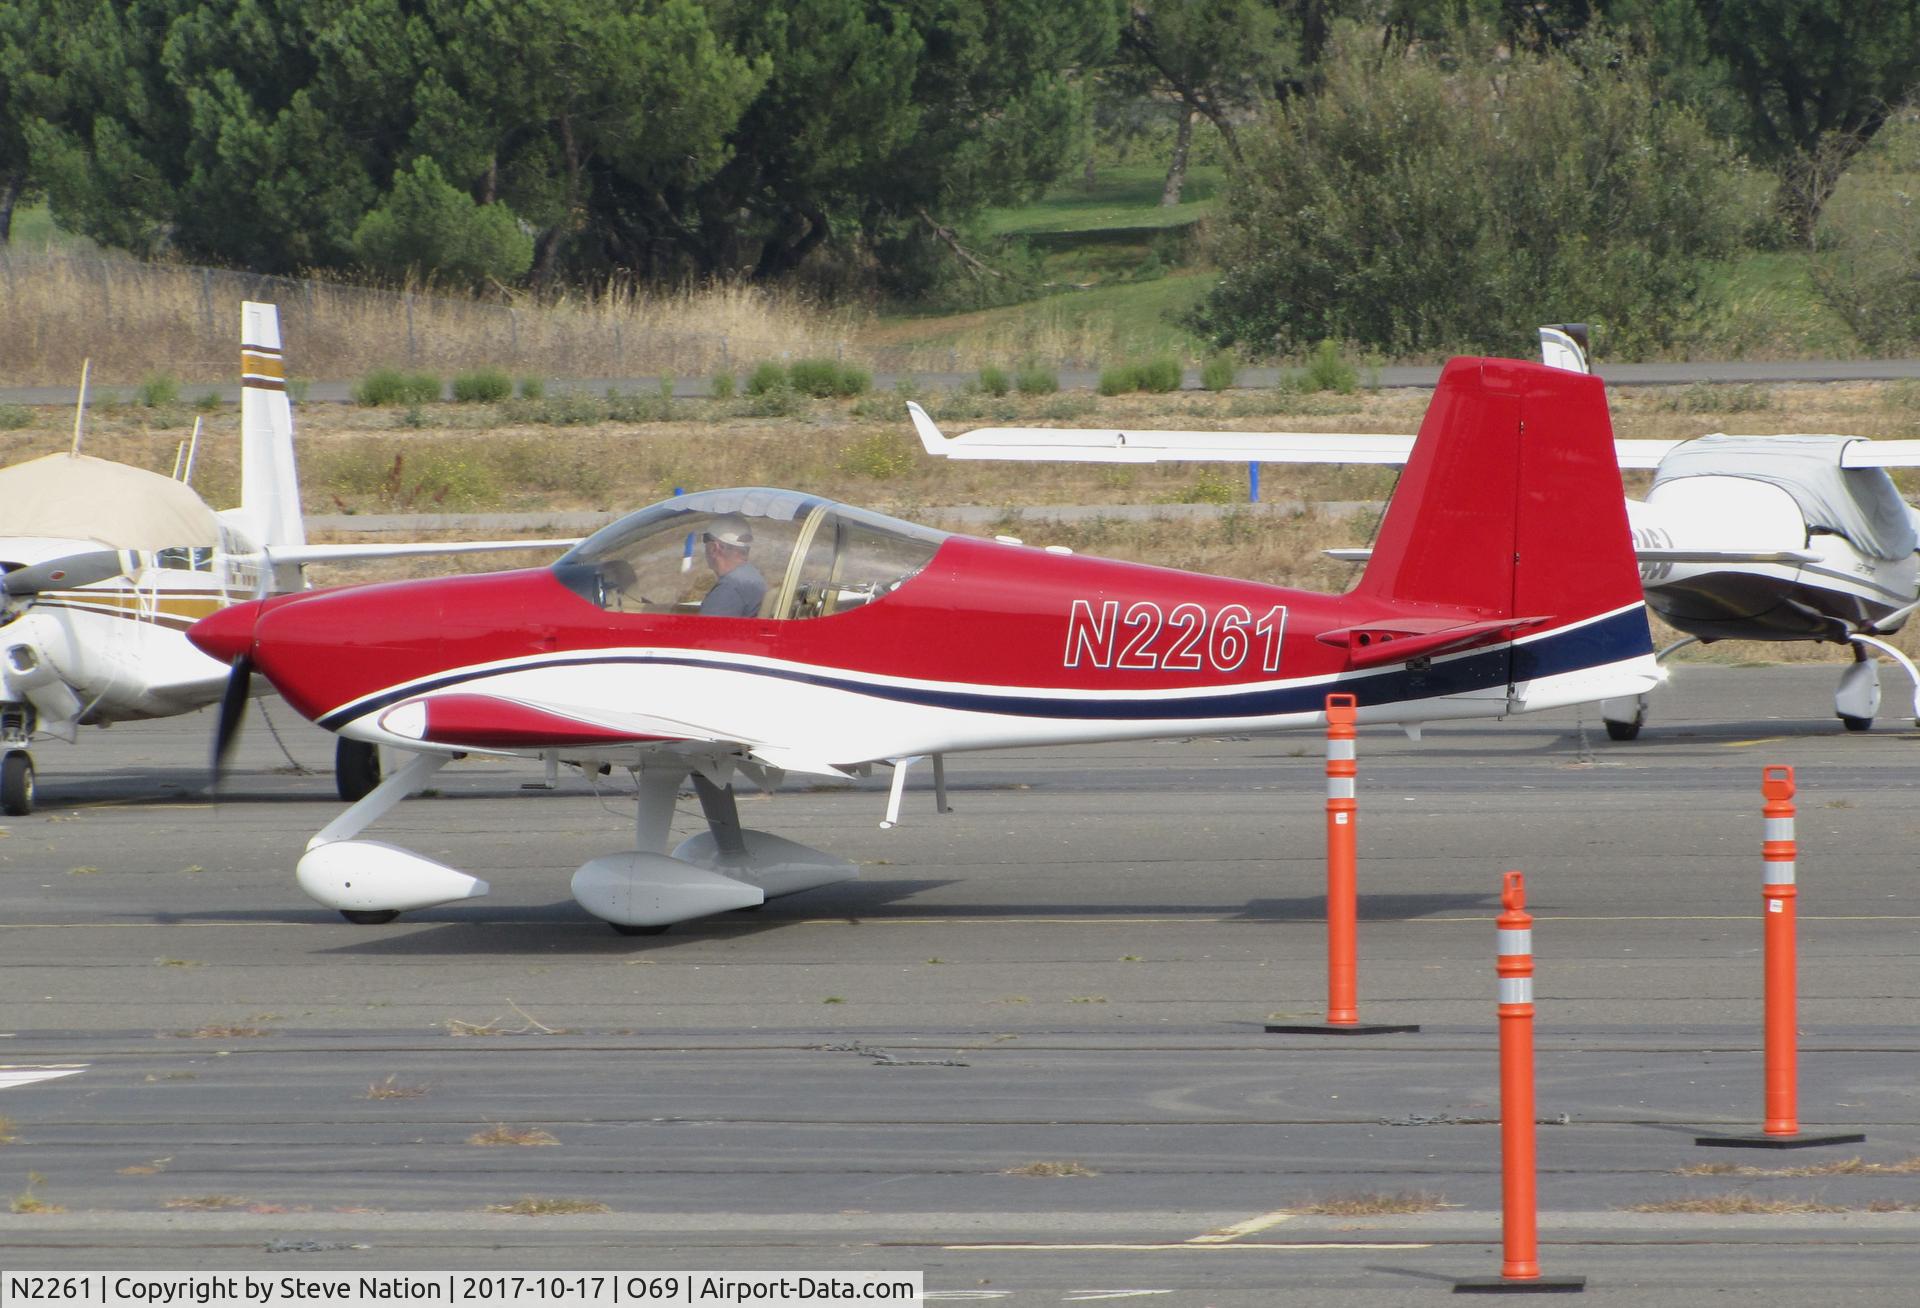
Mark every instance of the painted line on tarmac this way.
pixel 17 1074
pixel 1252 1226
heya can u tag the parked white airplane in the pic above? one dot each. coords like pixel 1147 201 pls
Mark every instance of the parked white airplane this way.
pixel 104 566
pixel 1777 538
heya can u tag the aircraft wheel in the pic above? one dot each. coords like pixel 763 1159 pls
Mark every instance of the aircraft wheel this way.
pixel 631 929
pixel 369 916
pixel 1624 730
pixel 356 768
pixel 16 783
pixel 1856 724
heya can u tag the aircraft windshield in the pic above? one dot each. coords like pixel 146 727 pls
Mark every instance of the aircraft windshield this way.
pixel 752 553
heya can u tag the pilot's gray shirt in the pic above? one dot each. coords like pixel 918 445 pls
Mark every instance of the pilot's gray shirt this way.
pixel 736 595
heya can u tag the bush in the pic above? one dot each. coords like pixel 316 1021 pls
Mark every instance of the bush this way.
pixel 15 416
pixel 1035 380
pixel 630 407
pixel 532 388
pixel 207 403
pixel 159 389
pixel 1867 266
pixel 486 386
pixel 1219 373
pixel 723 385
pixel 1416 205
pixel 1161 375
pixel 1158 375
pixel 993 381
pixel 828 379
pixel 385 386
pixel 767 378
pixel 1329 370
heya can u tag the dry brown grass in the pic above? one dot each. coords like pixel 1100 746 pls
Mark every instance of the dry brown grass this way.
pixel 7 1135
pixel 469 457
pixel 545 1206
pixel 1061 1167
pixel 1375 1205
pixel 1839 1167
pixel 136 319
pixel 393 1088
pixel 502 1134
pixel 27 1202
pixel 1738 1204
pixel 207 1203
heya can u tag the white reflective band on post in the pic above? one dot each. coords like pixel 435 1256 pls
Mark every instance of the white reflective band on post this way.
pixel 1339 787
pixel 1777 874
pixel 1340 749
pixel 1779 829
pixel 1516 990
pixel 1514 942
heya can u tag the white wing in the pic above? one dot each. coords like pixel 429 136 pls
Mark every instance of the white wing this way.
pixel 1111 445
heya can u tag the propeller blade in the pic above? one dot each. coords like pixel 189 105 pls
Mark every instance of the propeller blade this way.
pixel 67 573
pixel 233 709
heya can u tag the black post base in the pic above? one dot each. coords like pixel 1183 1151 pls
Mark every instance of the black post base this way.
pixel 1800 1141
pixel 1528 1285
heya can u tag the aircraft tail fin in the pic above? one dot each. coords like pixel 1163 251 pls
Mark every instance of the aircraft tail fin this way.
pixel 1511 507
pixel 269 479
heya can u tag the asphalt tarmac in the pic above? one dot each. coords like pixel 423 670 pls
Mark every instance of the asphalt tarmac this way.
pixel 1024 1054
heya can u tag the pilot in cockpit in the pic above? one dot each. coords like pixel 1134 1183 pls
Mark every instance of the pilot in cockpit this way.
pixel 739 587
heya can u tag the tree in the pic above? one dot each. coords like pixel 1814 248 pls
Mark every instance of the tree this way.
pixel 667 137
pixel 1416 206
pixel 31 63
pixel 1212 58
pixel 1819 78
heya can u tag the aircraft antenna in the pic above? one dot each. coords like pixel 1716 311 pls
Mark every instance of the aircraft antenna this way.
pixel 80 406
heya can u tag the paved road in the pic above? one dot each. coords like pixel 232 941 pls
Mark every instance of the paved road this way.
pixel 1420 376
pixel 1070 973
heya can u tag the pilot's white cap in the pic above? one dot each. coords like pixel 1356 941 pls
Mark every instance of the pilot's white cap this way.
pixel 732 529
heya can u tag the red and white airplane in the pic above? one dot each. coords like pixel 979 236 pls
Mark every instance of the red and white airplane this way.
pixel 1503 581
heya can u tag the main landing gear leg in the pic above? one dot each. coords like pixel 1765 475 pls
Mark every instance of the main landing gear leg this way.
pixel 370 882
pixel 1859 694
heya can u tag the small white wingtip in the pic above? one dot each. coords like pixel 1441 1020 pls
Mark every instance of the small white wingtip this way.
pixel 930 438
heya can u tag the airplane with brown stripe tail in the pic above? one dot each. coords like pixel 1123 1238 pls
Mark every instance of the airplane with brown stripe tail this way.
pixel 104 566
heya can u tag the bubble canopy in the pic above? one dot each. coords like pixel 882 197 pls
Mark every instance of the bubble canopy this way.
pixel 749 552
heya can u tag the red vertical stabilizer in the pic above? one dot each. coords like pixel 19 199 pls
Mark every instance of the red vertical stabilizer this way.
pixel 1511 504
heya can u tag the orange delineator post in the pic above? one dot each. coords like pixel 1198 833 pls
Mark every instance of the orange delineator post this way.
pixel 1780 1036
pixel 1343 910
pixel 1520 1241
pixel 1779 855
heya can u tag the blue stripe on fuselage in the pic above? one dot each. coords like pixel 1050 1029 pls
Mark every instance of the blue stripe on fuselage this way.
pixel 1610 640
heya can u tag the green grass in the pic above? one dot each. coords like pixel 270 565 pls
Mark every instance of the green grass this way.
pixel 1071 328
pixel 1769 309
pixel 35 232
pixel 1124 196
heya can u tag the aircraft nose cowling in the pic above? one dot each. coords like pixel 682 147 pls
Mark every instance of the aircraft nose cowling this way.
pixel 228 634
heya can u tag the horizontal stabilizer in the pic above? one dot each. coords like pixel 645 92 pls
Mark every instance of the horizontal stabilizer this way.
pixel 1394 640
pixel 1651 556
pixel 1725 556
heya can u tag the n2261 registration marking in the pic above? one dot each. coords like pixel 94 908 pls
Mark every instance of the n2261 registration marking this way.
pixel 1186 638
